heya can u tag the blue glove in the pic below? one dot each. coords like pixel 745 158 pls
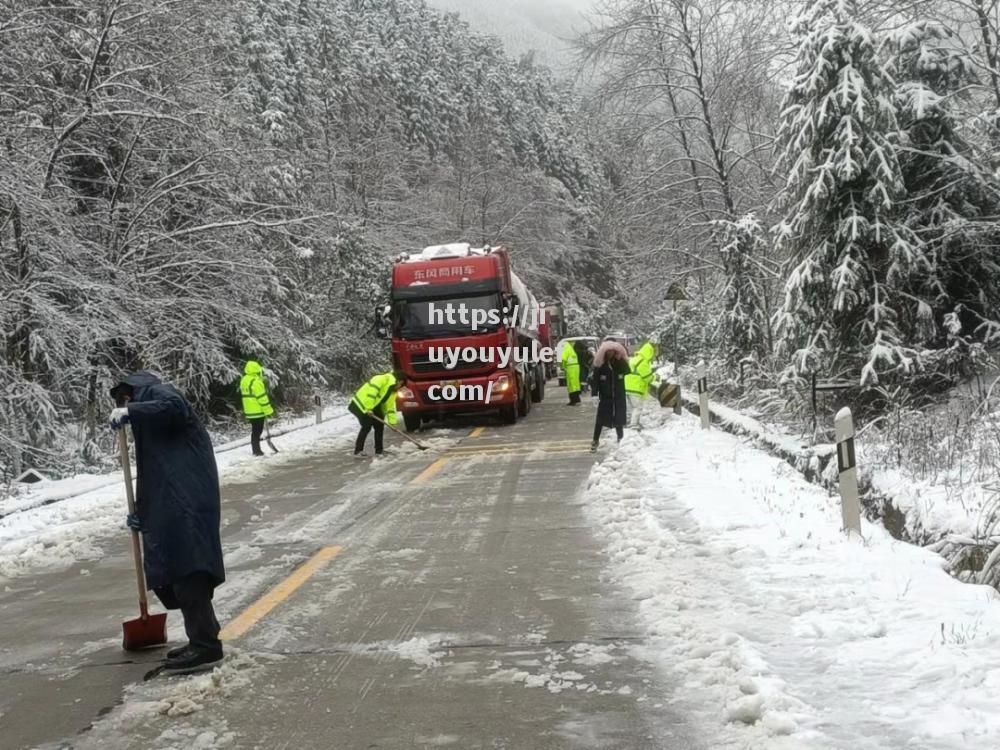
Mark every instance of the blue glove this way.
pixel 118 418
pixel 132 521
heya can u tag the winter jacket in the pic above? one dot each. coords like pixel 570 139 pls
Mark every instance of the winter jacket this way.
pixel 177 485
pixel 570 364
pixel 253 391
pixel 612 405
pixel 637 382
pixel 378 395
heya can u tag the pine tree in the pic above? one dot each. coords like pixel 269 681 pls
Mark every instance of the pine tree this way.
pixel 745 326
pixel 189 183
pixel 953 201
pixel 850 257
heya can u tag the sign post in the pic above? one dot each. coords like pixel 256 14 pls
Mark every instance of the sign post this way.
pixel 843 426
pixel 827 385
pixel 675 294
pixel 319 408
pixel 706 419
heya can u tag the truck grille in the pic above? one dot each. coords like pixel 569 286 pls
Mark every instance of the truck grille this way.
pixel 426 400
pixel 421 364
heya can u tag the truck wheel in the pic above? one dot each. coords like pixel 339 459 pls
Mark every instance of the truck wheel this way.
pixel 538 392
pixel 524 403
pixel 411 422
pixel 508 415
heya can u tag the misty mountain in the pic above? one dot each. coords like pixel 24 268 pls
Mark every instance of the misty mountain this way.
pixel 545 27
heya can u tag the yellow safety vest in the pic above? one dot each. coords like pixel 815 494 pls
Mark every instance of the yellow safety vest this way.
pixel 373 393
pixel 637 382
pixel 253 392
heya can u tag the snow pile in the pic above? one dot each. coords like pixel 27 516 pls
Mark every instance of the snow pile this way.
pixel 550 671
pixel 158 702
pixel 774 622
pixel 60 533
pixel 787 446
pixel 421 650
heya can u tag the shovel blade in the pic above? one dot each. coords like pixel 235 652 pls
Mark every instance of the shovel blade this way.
pixel 144 632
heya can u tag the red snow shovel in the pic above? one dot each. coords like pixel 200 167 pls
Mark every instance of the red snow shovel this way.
pixel 145 631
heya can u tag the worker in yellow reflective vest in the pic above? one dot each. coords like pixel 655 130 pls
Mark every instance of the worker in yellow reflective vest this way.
pixel 256 402
pixel 374 404
pixel 639 379
pixel 570 363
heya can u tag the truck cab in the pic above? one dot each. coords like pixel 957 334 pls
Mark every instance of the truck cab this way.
pixel 451 299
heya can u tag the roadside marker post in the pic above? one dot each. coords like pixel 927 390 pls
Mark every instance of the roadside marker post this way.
pixel 318 403
pixel 706 419
pixel 843 426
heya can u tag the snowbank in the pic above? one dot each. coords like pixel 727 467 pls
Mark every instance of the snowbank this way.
pixel 784 633
pixel 947 509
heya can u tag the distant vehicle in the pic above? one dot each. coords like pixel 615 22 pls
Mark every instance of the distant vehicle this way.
pixel 478 281
pixel 625 339
pixel 592 342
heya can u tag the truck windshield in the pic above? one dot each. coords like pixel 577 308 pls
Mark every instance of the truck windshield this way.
pixel 411 319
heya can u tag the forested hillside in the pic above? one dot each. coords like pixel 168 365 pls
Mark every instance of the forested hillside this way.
pixel 820 176
pixel 543 30
pixel 193 182
pixel 190 183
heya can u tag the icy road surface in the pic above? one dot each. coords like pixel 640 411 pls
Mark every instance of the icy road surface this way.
pixel 465 609
pixel 509 589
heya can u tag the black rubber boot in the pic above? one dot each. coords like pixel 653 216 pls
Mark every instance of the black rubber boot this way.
pixel 193 660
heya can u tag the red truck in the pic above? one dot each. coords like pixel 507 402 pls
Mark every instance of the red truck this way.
pixel 551 331
pixel 465 332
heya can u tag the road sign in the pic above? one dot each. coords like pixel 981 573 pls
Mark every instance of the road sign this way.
pixel 669 395
pixel 676 293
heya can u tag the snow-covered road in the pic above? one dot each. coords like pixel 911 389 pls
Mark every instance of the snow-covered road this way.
pixel 785 633
pixel 54 524
pixel 685 591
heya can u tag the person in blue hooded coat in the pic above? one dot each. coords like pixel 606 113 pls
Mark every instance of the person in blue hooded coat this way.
pixel 177 510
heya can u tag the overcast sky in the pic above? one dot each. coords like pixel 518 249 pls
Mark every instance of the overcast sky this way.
pixel 525 24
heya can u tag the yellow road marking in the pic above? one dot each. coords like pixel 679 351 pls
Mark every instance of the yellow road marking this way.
pixel 526 451
pixel 517 446
pixel 480 447
pixel 430 471
pixel 477 432
pixel 259 609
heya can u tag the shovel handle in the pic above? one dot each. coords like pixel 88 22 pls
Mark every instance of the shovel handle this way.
pixel 416 442
pixel 140 577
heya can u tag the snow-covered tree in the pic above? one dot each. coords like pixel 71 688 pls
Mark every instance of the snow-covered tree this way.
pixel 745 324
pixel 850 258
pixel 190 183
pixel 953 202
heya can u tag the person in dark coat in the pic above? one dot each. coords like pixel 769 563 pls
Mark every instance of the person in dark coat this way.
pixel 612 406
pixel 177 510
pixel 585 355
